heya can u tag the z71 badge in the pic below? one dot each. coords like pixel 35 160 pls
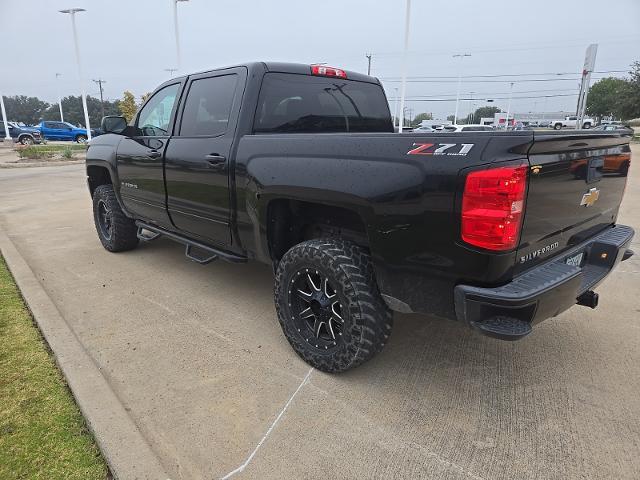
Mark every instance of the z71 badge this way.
pixel 455 149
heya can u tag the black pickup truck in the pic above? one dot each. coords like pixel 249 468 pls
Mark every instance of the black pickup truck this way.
pixel 299 167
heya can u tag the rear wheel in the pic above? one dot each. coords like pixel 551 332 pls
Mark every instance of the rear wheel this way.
pixel 116 231
pixel 329 305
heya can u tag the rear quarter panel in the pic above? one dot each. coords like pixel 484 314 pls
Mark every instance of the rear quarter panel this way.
pixel 406 201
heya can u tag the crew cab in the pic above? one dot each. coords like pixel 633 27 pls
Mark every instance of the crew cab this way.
pixel 63 131
pixel 571 122
pixel 298 167
pixel 21 133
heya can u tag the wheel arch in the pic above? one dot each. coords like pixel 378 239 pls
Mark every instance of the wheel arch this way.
pixel 98 175
pixel 291 221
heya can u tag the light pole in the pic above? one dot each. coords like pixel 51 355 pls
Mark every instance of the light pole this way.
pixel 59 98
pixel 395 108
pixel 471 111
pixel 460 56
pixel 176 30
pixel 506 123
pixel 72 12
pixel 4 119
pixel 404 65
pixel 368 55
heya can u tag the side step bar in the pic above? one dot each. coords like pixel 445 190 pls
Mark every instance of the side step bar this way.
pixel 210 253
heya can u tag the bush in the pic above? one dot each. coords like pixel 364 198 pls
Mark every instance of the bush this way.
pixel 34 153
pixel 67 153
pixel 635 122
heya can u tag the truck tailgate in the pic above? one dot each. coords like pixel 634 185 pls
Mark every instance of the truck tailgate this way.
pixel 576 185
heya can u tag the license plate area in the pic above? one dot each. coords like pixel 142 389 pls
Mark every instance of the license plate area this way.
pixel 575 260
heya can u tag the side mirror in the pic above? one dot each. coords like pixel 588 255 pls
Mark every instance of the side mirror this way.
pixel 113 124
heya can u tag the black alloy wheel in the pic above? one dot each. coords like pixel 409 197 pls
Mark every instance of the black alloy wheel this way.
pixel 104 219
pixel 316 308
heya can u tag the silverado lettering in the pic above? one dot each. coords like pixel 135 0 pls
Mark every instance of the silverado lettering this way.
pixel 538 252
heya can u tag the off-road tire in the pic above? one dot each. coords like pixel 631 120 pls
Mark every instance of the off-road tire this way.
pixel 124 233
pixel 367 319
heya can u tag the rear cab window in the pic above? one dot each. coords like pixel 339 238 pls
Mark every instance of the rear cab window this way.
pixel 293 103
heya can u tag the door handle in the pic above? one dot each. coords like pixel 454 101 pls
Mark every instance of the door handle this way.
pixel 215 159
pixel 155 154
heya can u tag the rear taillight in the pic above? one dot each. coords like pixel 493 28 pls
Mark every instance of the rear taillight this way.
pixel 327 71
pixel 492 207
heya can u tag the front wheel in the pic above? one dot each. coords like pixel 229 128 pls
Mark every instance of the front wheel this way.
pixel 81 139
pixel 26 140
pixel 329 306
pixel 116 231
pixel 557 126
pixel 586 126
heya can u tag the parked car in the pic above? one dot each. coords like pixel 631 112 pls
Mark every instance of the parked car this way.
pixel 299 167
pixel 63 131
pixel 425 129
pixel 468 128
pixel 570 122
pixel 21 134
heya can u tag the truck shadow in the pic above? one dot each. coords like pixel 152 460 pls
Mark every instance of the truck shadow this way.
pixel 424 351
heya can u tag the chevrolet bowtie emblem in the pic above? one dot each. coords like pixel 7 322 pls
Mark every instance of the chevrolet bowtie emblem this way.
pixel 591 197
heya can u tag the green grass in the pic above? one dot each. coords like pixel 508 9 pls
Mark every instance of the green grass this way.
pixel 42 433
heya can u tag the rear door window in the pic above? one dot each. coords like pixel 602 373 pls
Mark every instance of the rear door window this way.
pixel 291 103
pixel 208 106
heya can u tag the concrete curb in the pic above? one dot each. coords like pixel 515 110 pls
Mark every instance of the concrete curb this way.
pixel 40 164
pixel 123 446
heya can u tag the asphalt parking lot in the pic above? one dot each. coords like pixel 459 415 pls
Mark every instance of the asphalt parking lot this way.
pixel 196 356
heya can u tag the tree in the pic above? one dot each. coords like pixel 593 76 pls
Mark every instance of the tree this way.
pixel 630 99
pixel 127 105
pixel 422 116
pixel 21 108
pixel 484 112
pixel 606 97
pixel 144 97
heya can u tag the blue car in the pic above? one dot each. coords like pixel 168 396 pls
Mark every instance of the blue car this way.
pixel 63 131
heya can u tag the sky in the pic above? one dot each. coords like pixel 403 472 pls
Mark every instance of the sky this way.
pixel 130 43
